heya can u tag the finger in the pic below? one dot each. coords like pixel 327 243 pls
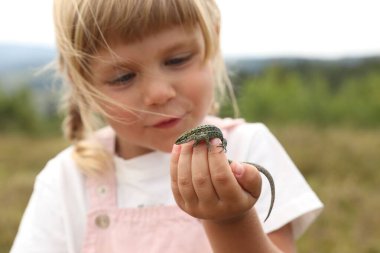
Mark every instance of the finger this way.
pixel 184 177
pixel 248 177
pixel 174 174
pixel 225 184
pixel 201 175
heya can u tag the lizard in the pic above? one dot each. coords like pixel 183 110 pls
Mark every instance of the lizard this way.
pixel 206 133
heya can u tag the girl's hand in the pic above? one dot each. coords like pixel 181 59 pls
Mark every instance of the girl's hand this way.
pixel 207 187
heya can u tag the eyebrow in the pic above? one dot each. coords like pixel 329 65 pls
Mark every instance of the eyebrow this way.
pixel 190 42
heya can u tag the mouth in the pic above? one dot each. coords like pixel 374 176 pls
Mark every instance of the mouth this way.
pixel 167 123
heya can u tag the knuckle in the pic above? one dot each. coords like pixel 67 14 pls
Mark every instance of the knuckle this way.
pixel 174 181
pixel 184 182
pixel 200 180
pixel 221 177
pixel 174 186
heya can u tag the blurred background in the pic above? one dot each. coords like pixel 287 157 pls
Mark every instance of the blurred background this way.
pixel 310 70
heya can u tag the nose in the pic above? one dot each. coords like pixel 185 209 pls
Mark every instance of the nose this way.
pixel 158 90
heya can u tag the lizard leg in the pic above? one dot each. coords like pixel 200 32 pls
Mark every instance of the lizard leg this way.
pixel 201 137
pixel 222 145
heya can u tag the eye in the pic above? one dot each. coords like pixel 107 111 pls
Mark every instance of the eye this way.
pixel 177 61
pixel 123 79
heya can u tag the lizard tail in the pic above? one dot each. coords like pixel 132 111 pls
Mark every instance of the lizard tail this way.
pixel 271 183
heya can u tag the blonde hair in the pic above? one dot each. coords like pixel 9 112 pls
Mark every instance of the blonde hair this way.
pixel 83 28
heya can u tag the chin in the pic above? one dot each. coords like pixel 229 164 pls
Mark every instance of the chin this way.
pixel 166 145
pixel 166 148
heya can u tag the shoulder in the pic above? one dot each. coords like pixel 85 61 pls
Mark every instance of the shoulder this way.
pixel 256 137
pixel 63 158
pixel 295 202
pixel 237 127
pixel 254 141
pixel 58 170
pixel 61 184
pixel 55 198
pixel 251 130
pixel 63 166
pixel 241 134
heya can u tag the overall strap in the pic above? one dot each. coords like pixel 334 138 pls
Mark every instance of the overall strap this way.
pixel 102 189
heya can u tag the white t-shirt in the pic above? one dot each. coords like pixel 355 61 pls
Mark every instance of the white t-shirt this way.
pixel 55 218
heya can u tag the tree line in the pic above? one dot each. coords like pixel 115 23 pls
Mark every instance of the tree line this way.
pixel 19 114
pixel 310 92
pixel 318 93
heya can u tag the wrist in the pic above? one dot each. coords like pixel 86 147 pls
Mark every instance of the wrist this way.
pixel 243 233
pixel 248 216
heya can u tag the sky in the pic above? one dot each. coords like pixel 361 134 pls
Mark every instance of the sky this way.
pixel 255 28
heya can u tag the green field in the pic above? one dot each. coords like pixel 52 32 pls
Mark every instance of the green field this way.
pixel 340 164
pixel 21 158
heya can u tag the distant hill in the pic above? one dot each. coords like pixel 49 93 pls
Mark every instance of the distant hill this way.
pixel 19 65
pixel 20 56
pixel 253 65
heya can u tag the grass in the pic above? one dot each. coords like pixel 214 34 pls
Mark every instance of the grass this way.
pixel 342 167
pixel 340 164
pixel 21 158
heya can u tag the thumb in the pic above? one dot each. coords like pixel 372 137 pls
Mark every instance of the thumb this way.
pixel 248 177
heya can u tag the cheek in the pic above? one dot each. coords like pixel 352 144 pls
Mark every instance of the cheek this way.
pixel 201 85
pixel 119 115
pixel 117 105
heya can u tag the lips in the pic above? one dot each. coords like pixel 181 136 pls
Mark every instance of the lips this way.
pixel 167 123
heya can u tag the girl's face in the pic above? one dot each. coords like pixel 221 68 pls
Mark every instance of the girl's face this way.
pixel 165 82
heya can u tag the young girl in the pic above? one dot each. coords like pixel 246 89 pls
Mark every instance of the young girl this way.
pixel 148 70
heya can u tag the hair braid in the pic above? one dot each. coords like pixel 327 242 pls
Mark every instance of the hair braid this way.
pixel 73 127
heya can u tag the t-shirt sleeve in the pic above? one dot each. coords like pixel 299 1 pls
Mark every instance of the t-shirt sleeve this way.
pixel 295 201
pixel 41 226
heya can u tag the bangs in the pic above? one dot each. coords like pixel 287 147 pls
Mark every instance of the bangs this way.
pixel 132 20
pixel 147 17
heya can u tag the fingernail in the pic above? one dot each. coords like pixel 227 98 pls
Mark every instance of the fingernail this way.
pixel 238 169
pixel 216 141
pixel 176 148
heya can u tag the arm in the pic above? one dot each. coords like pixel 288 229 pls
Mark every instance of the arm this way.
pixel 205 187
pixel 41 227
pixel 283 238
pixel 246 235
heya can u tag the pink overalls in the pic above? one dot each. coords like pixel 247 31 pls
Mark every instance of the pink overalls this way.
pixel 147 230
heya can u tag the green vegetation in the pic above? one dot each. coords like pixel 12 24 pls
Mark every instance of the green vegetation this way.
pixel 341 165
pixel 21 158
pixel 18 113
pixel 321 94
pixel 327 116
